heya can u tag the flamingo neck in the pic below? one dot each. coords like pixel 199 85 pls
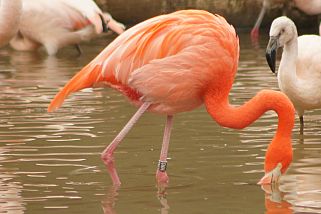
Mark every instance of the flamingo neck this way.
pixel 226 115
pixel 10 12
pixel 265 6
pixel 287 75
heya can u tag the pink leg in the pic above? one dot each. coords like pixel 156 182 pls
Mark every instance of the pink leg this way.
pixel 161 175
pixel 107 154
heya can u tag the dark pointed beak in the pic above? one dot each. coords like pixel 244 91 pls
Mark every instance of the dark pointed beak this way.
pixel 105 27
pixel 270 53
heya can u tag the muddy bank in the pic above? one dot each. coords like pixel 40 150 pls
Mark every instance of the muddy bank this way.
pixel 241 13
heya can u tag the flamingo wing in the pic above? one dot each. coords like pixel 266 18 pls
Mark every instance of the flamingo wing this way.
pixel 88 9
pixel 162 59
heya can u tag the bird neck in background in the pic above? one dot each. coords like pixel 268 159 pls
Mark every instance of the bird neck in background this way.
pixel 261 15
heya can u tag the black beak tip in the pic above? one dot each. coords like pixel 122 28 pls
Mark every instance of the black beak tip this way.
pixel 271 58
pixel 104 24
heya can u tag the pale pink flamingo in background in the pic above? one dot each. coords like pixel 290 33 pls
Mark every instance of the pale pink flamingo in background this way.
pixel 55 24
pixel 299 71
pixel 310 7
pixel 10 12
pixel 93 13
pixel 266 4
pixel 175 63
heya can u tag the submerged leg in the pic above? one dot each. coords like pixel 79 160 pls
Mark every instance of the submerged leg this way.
pixel 301 125
pixel 161 175
pixel 78 49
pixel 107 154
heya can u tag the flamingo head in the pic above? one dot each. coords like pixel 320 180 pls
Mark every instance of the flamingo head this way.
pixel 273 176
pixel 277 160
pixel 282 31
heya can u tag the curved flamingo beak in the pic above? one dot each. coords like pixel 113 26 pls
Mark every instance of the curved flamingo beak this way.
pixel 272 176
pixel 270 53
pixel 104 24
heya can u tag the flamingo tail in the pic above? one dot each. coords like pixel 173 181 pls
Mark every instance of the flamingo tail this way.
pixel 86 78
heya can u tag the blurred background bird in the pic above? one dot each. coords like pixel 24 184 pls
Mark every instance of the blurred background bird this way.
pixel 32 24
pixel 309 7
pixel 299 73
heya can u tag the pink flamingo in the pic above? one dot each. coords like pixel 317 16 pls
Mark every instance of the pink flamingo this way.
pixel 175 63
pixel 10 12
pixel 310 7
pixel 55 24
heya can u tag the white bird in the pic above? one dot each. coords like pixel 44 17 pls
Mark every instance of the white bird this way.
pixel 55 24
pixel 310 7
pixel 10 12
pixel 299 73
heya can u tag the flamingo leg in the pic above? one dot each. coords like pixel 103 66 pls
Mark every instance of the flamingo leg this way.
pixel 255 29
pixel 301 125
pixel 161 175
pixel 78 49
pixel 107 154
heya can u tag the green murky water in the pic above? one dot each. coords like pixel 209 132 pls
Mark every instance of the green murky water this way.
pixel 50 163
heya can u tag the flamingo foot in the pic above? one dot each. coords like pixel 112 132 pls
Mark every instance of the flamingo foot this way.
pixel 162 177
pixel 110 165
pixel 255 35
pixel 162 181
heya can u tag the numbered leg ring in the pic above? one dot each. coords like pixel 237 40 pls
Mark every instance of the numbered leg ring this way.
pixel 162 166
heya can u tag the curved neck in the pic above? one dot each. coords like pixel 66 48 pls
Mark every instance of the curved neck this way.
pixel 10 12
pixel 222 112
pixel 265 6
pixel 287 75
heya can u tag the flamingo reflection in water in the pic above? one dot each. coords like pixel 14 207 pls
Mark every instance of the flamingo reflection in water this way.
pixel 274 202
pixel 109 202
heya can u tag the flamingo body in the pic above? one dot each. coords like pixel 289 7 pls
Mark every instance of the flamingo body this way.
pixel 52 24
pixel 166 77
pixel 89 10
pixel 55 24
pixel 10 13
pixel 175 63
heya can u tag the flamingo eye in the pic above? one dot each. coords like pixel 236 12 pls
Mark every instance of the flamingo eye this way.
pixel 282 31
